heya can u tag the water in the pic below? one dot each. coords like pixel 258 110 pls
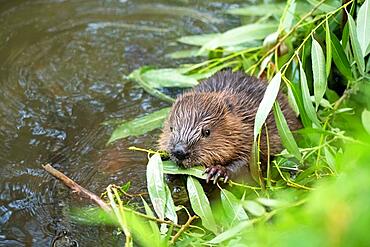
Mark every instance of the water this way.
pixel 61 67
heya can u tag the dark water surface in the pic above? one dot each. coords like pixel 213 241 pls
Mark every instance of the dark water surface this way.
pixel 61 67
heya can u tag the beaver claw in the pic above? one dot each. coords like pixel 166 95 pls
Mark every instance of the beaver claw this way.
pixel 216 172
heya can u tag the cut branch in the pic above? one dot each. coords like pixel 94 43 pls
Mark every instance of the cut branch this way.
pixel 76 188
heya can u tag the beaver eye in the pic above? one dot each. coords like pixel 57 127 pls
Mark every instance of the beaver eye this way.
pixel 171 129
pixel 206 133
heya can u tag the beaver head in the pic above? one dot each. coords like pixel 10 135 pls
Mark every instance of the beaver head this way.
pixel 202 129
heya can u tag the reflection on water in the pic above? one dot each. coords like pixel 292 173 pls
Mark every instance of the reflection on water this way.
pixel 61 73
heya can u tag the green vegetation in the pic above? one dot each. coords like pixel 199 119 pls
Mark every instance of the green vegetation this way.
pixel 316 192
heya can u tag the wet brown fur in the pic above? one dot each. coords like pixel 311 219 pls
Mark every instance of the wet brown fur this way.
pixel 226 104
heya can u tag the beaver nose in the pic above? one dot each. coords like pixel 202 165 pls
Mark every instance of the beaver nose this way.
pixel 180 151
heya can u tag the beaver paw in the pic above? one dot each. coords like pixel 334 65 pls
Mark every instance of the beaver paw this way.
pixel 216 172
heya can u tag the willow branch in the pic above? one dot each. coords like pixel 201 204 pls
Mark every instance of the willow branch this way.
pixel 76 188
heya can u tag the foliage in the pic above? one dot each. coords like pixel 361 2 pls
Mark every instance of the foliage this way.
pixel 316 190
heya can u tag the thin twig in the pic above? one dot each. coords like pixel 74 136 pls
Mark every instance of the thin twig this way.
pixel 76 188
pixel 183 228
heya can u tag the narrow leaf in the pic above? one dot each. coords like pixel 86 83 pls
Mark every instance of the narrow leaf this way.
pixel 318 70
pixel 140 126
pixel 310 110
pixel 259 10
pixel 149 212
pixel 136 76
pixel 231 233
pixel 265 106
pixel 170 167
pixel 198 40
pixel 340 58
pixel 232 207
pixel 170 210
pixel 200 204
pixel 328 49
pixel 268 202
pixel 356 45
pixel 159 78
pixel 254 208
pixel 327 6
pixel 363 27
pixel 156 185
pixel 240 35
pixel 365 117
pixel 329 156
pixel 286 136
pixel 286 21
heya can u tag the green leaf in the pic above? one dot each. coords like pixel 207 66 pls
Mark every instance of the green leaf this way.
pixel 327 6
pixel 284 132
pixel 232 207
pixel 142 232
pixel 156 185
pixel 328 49
pixel 356 45
pixel 140 126
pixel 268 202
pixel 286 21
pixel 266 104
pixel 345 36
pixel 186 54
pixel 170 211
pixel 200 204
pixel 254 208
pixel 198 40
pixel 310 110
pixel 240 35
pixel 259 10
pixel 149 212
pixel 363 27
pixel 365 117
pixel 231 233
pixel 329 156
pixel 340 58
pixel 159 78
pixel 136 76
pixel 318 70
pixel 170 167
pixel 292 101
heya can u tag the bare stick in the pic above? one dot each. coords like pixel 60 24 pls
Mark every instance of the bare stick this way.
pixel 75 187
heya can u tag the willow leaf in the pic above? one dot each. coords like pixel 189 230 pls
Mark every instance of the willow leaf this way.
pixel 150 89
pixel 286 136
pixel 356 45
pixel 231 233
pixel 318 70
pixel 363 27
pixel 328 49
pixel 200 204
pixel 140 126
pixel 170 77
pixel 254 208
pixel 232 207
pixel 170 167
pixel 170 210
pixel 240 35
pixel 340 58
pixel 266 104
pixel 310 110
pixel 156 185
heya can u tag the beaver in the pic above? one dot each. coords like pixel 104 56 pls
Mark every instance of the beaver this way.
pixel 212 125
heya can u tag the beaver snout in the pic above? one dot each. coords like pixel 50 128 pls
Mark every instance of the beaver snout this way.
pixel 180 152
